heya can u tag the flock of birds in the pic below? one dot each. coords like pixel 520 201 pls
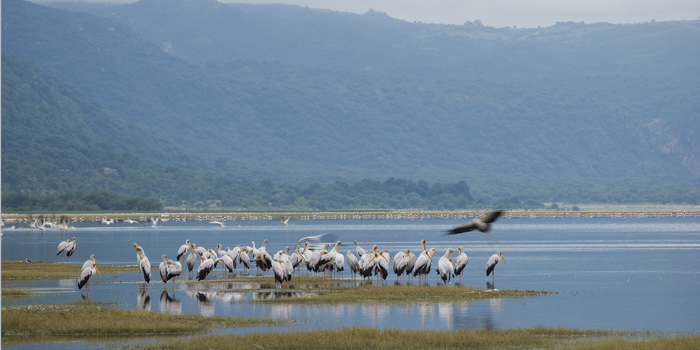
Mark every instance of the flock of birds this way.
pixel 316 256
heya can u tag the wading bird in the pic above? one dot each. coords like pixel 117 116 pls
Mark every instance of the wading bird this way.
pixel 205 267
pixel 163 268
pixel 89 262
pixel 353 263
pixel 70 248
pixel 423 263
pixel 183 249
pixel 491 266
pixel 192 257
pixel 460 262
pixel 446 268
pixel 144 264
pixel 401 261
pixel 174 270
pixel 62 247
pixel 359 250
pixel 85 277
pixel 481 224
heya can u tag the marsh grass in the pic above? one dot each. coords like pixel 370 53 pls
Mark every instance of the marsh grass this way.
pixel 389 339
pixel 332 291
pixel 46 270
pixel 10 293
pixel 403 294
pixel 88 319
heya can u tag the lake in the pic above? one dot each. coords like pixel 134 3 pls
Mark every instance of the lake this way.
pixel 608 273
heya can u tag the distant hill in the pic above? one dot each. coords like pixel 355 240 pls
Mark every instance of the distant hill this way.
pixel 298 95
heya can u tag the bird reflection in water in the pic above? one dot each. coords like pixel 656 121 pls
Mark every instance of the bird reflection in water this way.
pixel 143 300
pixel 170 305
pixel 205 303
pixel 446 314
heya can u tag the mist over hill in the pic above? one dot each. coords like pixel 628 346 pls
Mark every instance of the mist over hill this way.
pixel 299 96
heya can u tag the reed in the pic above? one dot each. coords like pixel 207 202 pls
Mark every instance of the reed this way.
pixel 390 339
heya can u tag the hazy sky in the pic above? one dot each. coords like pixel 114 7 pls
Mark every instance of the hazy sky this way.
pixel 520 13
pixel 501 13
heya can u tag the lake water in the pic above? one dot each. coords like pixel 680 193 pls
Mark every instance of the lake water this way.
pixel 608 273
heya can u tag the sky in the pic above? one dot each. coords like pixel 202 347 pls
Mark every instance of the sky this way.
pixel 508 13
pixel 501 13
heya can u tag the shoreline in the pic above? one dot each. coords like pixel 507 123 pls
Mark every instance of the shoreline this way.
pixel 586 212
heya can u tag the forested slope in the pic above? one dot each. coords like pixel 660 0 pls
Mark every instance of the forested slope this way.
pixel 300 96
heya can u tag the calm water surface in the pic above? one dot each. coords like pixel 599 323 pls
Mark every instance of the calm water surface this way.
pixel 609 273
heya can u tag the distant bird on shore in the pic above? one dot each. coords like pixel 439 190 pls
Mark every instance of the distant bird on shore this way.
pixel 481 224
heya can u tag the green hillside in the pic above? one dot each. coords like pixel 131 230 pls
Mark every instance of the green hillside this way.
pixel 572 112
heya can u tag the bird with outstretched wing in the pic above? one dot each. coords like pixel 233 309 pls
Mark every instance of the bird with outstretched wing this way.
pixel 481 224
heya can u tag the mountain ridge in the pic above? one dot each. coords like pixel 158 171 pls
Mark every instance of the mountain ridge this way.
pixel 537 112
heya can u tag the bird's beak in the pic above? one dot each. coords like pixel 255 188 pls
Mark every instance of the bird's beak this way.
pixel 504 259
pixel 98 270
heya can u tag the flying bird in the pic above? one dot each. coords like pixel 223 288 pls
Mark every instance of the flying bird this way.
pixel 481 224
pixel 221 224
pixel 324 237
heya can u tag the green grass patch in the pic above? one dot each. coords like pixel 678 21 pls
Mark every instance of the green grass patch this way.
pixel 46 270
pixel 390 339
pixel 11 293
pixel 87 319
pixel 320 290
pixel 408 294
